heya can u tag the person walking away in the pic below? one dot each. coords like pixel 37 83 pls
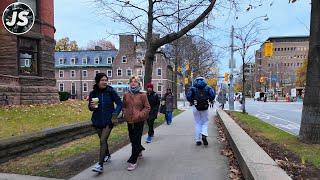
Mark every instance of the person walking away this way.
pixel 136 110
pixel 222 98
pixel 168 102
pixel 154 102
pixel 198 96
pixel 101 103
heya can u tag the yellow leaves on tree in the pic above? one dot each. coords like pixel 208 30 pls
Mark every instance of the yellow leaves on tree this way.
pixel 301 74
pixel 65 44
pixel 237 87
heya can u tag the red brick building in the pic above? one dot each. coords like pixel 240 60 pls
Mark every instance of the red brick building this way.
pixel 27 61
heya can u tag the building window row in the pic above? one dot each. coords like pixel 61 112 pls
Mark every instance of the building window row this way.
pixel 291 57
pixel 73 87
pixel 73 73
pixel 291 49
pixel 74 60
pixel 286 64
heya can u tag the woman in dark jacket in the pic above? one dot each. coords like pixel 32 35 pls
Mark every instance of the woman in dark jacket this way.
pixel 167 100
pixel 101 103
pixel 154 102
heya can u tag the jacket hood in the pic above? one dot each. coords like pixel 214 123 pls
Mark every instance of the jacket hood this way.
pixel 200 83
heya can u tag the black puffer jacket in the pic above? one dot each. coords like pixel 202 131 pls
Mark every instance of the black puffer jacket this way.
pixel 154 102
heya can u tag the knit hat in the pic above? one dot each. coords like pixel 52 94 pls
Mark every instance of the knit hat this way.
pixel 150 85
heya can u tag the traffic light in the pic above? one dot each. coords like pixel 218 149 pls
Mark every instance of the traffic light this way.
pixel 186 80
pixel 226 76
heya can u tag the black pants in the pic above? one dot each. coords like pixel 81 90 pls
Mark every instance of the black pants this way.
pixel 135 134
pixel 150 124
pixel 103 136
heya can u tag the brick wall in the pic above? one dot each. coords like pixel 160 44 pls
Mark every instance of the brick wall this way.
pixel 29 89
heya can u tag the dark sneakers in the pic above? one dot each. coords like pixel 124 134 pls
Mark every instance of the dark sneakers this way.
pixel 204 139
pixel 198 143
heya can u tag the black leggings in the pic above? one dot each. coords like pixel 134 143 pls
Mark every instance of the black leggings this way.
pixel 135 134
pixel 103 136
pixel 150 124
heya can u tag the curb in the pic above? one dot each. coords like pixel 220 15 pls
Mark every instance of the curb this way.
pixel 254 162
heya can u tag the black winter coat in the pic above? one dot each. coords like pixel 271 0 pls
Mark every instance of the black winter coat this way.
pixel 154 102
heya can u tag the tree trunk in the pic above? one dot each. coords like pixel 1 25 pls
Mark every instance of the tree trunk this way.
pixel 149 58
pixel 243 88
pixel 310 121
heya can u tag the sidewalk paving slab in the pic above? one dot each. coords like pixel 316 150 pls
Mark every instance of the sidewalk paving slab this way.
pixel 5 176
pixel 172 155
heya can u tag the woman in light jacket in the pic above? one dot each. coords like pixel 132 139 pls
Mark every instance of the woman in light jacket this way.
pixel 136 110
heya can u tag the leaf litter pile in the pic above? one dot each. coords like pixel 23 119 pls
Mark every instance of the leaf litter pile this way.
pixel 235 172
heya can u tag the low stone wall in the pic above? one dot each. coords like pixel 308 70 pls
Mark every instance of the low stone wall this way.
pixel 254 162
pixel 31 143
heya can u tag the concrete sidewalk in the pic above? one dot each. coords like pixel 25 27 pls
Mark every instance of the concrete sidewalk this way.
pixel 172 155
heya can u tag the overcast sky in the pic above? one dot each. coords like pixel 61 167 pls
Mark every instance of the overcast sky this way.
pixel 80 21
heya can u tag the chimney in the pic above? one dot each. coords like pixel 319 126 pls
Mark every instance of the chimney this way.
pixel 126 42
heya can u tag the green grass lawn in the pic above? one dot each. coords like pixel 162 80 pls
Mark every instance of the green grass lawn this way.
pixel 307 152
pixel 42 163
pixel 19 120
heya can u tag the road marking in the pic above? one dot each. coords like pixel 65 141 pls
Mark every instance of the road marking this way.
pixel 290 122
pixel 267 117
pixel 288 126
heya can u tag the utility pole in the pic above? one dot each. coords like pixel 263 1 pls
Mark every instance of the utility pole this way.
pixel 232 64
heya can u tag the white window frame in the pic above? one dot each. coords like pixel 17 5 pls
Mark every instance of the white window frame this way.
pixel 62 73
pixel 73 61
pixel 131 74
pixel 27 63
pixel 85 83
pixel 108 73
pixel 159 85
pixel 83 73
pixel 118 72
pixel 156 58
pixel 119 89
pixel 96 72
pixel 109 59
pixel 75 87
pixel 123 59
pixel 95 60
pixel 85 60
pixel 158 71
pixel 74 73
pixel 61 59
pixel 109 83
pixel 60 87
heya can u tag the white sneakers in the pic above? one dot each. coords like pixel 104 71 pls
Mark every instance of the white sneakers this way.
pixel 132 167
pixel 97 168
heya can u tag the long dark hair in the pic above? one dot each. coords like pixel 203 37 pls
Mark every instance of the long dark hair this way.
pixel 97 79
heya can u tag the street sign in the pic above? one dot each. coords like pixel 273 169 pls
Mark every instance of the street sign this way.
pixel 268 49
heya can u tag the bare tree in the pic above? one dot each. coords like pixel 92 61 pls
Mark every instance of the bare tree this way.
pixel 246 37
pixel 171 18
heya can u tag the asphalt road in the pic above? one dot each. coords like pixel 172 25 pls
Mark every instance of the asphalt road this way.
pixel 284 115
